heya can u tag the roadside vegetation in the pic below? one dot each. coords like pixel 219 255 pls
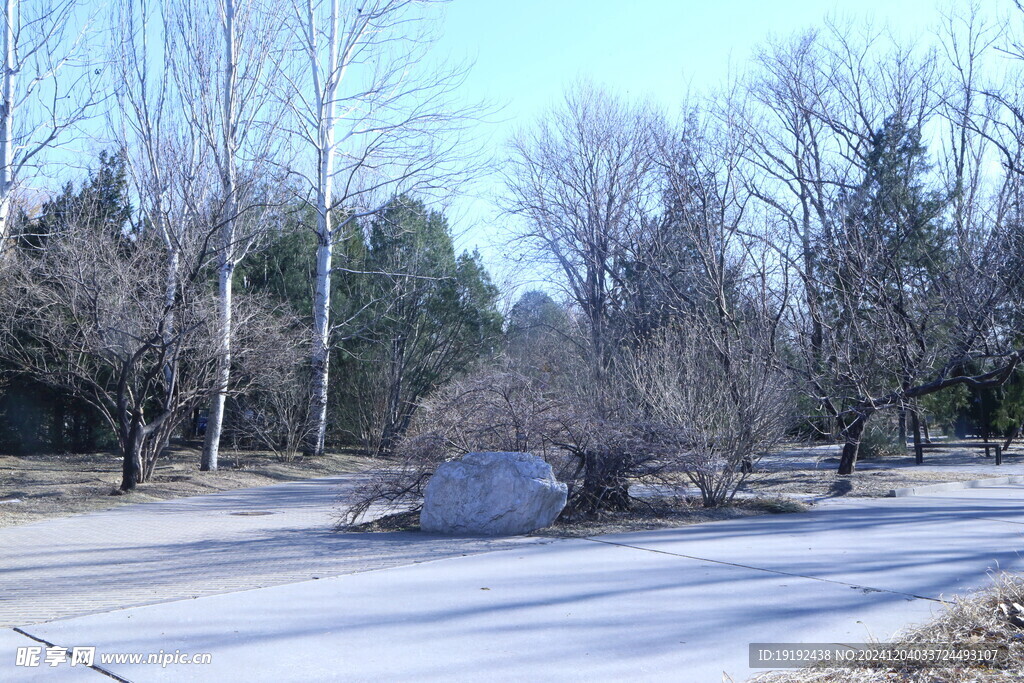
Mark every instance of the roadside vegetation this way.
pixel 992 617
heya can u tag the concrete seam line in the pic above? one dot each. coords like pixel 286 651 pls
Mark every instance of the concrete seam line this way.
pixel 94 667
pixel 770 571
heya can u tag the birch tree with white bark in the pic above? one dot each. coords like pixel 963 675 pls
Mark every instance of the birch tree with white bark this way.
pixel 374 121
pixel 224 57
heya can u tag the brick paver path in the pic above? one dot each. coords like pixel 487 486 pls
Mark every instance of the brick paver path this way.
pixel 218 543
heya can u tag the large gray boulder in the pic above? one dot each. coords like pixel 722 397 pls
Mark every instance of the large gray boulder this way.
pixel 492 494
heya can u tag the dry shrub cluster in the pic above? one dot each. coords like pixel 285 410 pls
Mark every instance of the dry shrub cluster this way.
pixel 651 423
pixel 272 412
pixel 994 617
pixel 505 410
pixel 718 409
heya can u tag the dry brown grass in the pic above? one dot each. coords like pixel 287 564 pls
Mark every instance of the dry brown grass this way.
pixel 662 513
pixel 989 618
pixel 47 486
pixel 863 484
pixel 646 515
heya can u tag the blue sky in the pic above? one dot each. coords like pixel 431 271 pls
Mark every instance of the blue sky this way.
pixel 527 51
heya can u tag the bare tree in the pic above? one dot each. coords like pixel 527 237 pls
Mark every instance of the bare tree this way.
pixel 223 57
pixel 797 166
pixel 165 166
pixel 896 250
pixel 375 123
pixel 88 316
pixel 581 181
pixel 47 87
pixel 707 371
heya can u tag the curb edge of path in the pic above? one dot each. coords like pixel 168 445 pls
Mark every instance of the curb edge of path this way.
pixel 954 486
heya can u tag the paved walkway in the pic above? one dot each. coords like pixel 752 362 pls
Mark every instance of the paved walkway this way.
pixel 970 460
pixel 190 547
pixel 680 604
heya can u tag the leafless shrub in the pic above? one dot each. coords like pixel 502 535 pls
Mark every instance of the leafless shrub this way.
pixel 678 404
pixel 715 414
pixel 270 401
pixel 597 454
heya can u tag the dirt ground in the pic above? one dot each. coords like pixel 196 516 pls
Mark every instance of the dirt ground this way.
pixel 647 513
pixel 38 487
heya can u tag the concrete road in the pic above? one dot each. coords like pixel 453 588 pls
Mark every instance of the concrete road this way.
pixel 679 605
pixel 190 547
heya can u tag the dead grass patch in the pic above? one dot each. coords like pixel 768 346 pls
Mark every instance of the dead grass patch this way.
pixel 865 483
pixel 646 515
pixel 38 487
pixel 989 618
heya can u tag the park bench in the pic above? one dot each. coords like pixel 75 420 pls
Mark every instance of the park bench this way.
pixel 952 446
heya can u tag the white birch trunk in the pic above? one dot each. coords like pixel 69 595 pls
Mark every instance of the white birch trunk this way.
pixel 7 120
pixel 170 296
pixel 382 40
pixel 326 92
pixel 321 332
pixel 215 421
pixel 229 186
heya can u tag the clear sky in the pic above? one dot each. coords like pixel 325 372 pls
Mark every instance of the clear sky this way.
pixel 527 51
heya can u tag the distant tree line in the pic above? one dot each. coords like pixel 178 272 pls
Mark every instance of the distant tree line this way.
pixel 236 128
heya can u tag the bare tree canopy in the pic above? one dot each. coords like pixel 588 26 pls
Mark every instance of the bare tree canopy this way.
pixel 49 85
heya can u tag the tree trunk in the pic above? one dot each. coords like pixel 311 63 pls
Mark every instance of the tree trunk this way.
pixel 903 427
pixel 915 423
pixel 7 121
pixel 154 439
pixel 851 434
pixel 601 490
pixel 327 78
pixel 131 449
pixel 215 420
pixel 321 343
pixel 1013 435
pixel 170 370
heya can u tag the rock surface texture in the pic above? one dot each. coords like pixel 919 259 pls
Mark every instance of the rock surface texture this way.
pixel 492 494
